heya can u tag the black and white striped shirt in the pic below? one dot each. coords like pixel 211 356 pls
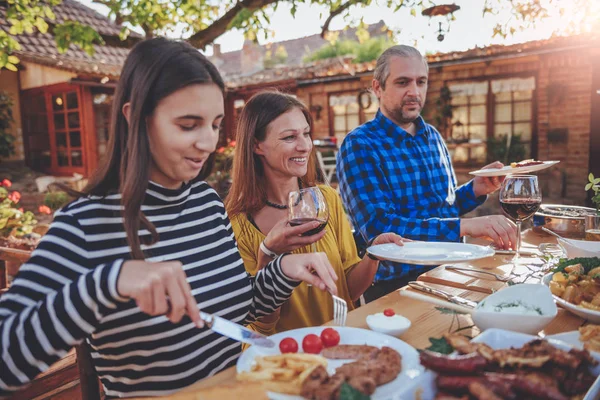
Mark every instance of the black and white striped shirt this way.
pixel 67 292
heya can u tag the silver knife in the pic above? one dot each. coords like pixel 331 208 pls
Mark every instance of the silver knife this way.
pixel 444 295
pixel 235 331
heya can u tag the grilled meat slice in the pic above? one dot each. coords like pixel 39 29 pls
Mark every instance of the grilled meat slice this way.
pixel 467 364
pixel 350 352
pixel 481 392
pixel 364 384
pixel 463 345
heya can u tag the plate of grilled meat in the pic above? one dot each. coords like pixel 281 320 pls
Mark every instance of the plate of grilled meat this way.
pixel 499 364
pixel 377 365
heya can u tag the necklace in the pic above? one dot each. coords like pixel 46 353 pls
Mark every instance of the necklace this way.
pixel 282 206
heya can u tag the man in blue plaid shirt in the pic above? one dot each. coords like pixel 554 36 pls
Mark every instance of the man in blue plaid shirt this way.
pixel 395 173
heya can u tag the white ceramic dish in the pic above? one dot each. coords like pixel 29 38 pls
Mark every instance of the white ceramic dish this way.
pixel 580 248
pixel 508 170
pixel 524 308
pixel 503 339
pixel 430 253
pixel 590 315
pixel 571 338
pixel 400 388
pixel 395 325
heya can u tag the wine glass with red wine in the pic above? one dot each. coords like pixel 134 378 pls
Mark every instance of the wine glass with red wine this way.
pixel 308 205
pixel 520 198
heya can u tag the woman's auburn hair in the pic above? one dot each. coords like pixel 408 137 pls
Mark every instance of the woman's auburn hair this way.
pixel 248 192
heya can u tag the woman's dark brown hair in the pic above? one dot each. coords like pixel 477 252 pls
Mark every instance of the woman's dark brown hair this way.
pixel 154 69
pixel 248 192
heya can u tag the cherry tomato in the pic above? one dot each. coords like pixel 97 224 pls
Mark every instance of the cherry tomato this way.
pixel 388 312
pixel 330 337
pixel 288 345
pixel 312 344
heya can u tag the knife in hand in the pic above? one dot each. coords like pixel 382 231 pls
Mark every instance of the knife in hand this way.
pixel 235 331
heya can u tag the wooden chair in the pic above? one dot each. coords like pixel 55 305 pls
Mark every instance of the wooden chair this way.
pixel 327 164
pixel 88 379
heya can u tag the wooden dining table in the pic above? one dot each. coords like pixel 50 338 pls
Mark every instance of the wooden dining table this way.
pixel 428 321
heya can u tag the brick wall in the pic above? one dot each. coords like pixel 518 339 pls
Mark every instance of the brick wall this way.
pixel 562 100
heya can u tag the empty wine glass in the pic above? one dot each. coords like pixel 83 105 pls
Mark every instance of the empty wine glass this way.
pixel 308 205
pixel 520 198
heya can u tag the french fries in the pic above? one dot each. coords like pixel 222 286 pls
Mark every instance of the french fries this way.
pixel 283 373
pixel 590 336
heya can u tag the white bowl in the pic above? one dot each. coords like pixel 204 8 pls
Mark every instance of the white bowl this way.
pixel 580 248
pixel 396 327
pixel 525 308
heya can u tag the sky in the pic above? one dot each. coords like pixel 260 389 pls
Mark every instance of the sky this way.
pixel 469 30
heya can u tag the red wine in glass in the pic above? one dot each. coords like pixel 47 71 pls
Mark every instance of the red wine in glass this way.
pixel 314 231
pixel 520 209
pixel 520 197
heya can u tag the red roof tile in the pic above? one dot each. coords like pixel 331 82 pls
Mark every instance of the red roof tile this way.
pixel 297 49
pixel 41 48
pixel 333 67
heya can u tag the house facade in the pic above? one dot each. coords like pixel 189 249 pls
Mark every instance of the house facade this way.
pixel 543 93
pixel 62 101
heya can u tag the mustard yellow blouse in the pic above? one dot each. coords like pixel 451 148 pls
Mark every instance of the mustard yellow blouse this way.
pixel 308 306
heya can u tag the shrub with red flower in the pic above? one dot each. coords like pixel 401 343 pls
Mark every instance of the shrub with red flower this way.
pixel 13 220
pixel 45 210
pixel 220 179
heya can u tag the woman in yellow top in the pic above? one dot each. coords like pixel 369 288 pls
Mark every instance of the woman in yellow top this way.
pixel 274 156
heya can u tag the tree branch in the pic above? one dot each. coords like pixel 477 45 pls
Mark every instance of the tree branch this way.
pixel 334 14
pixel 208 35
pixel 118 16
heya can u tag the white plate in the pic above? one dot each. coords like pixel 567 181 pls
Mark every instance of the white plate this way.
pixel 430 253
pixel 502 339
pixel 571 338
pixel 590 315
pixel 400 388
pixel 507 170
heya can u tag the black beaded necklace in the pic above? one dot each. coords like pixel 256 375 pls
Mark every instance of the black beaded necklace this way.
pixel 284 207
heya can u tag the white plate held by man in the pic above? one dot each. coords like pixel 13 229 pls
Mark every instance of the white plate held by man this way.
pixel 430 253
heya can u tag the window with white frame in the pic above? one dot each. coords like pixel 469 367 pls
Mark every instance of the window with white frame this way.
pixel 491 108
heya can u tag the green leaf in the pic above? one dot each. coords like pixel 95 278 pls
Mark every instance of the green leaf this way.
pixel 448 311
pixel 11 67
pixel 348 392
pixel 591 177
pixel 588 186
pixel 440 345
pixel 13 59
pixel 413 12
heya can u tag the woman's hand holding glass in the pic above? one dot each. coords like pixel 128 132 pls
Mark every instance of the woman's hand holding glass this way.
pixel 284 238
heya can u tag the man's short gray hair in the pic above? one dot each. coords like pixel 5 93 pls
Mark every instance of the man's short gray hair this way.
pixel 382 69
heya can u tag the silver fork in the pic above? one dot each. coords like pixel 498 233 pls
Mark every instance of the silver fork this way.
pixel 498 277
pixel 340 310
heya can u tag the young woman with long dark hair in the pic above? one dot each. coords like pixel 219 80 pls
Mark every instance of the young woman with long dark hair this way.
pixel 127 266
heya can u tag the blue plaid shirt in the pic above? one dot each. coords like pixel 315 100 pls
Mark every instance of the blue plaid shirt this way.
pixel 391 181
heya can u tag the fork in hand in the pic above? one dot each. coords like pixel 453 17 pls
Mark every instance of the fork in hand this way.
pixel 340 310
